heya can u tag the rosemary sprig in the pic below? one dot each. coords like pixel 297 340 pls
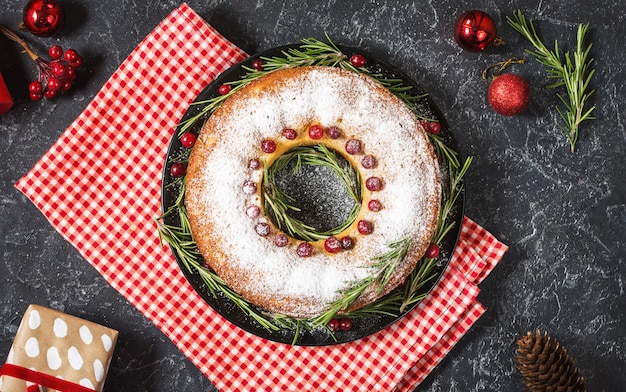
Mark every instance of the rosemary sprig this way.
pixel 278 203
pixel 572 71
pixel 310 52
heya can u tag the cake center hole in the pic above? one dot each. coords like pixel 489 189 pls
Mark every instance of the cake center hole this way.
pixel 321 189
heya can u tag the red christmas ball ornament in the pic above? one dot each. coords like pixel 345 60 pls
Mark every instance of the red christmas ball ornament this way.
pixel 475 31
pixel 43 17
pixel 509 94
pixel 6 102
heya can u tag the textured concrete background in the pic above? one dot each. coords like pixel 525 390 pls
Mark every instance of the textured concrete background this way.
pixel 563 214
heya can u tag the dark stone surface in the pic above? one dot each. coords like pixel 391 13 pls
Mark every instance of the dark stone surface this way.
pixel 563 214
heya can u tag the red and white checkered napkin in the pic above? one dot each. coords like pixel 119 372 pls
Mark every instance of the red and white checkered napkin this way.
pixel 99 186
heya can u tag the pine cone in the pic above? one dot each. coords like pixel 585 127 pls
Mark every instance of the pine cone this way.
pixel 545 365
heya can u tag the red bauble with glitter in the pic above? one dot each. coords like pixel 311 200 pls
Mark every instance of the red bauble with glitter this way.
pixel 43 17
pixel 475 31
pixel 509 94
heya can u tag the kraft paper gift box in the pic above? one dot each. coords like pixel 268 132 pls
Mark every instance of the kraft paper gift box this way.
pixel 55 351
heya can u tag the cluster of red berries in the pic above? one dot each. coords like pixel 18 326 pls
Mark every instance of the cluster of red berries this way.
pixel 56 75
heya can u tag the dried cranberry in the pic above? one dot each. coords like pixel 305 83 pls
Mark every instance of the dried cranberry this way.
pixel 347 242
pixel 304 249
pixel 332 245
pixel 281 240
pixel 249 187
pixel 253 211
pixel 268 146
pixel 254 164
pixel 316 132
pixel 365 227
pixel 353 146
pixel 289 133
pixel 333 132
pixel 368 161
pixel 374 184
pixel 374 205
pixel 262 229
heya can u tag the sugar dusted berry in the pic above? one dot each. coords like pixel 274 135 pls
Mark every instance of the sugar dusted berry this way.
pixel 347 242
pixel 262 229
pixel 268 146
pixel 333 132
pixel 332 245
pixel 281 240
pixel 353 146
pixel 374 205
pixel 254 164
pixel 365 227
pixel 253 211
pixel 368 161
pixel 249 187
pixel 374 184
pixel 316 132
pixel 304 249
pixel 289 133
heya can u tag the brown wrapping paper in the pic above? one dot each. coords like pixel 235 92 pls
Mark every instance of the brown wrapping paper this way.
pixel 62 346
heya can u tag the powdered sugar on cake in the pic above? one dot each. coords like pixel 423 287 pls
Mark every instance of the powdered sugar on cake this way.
pixel 275 277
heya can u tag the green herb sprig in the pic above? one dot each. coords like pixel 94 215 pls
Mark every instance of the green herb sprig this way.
pixel 570 70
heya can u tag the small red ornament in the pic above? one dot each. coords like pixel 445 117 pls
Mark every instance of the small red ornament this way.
pixel 475 31
pixel 509 94
pixel 43 17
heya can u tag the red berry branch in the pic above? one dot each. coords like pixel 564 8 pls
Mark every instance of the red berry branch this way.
pixel 55 75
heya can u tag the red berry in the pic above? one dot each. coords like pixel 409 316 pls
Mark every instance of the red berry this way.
pixel 358 60
pixel 433 127
pixel 36 96
pixel 254 164
pixel 347 242
pixel 333 325
pixel 58 69
pixel 54 83
pixel 253 211
pixel 70 73
pixel 188 139
pixel 365 227
pixel 50 93
pixel 224 89
pixel 268 146
pixel 333 132
pixel 304 249
pixel 332 245
pixel 432 251
pixel 35 87
pixel 77 63
pixel 55 52
pixel 353 146
pixel 257 64
pixel 249 187
pixel 66 85
pixel 374 205
pixel 374 184
pixel 368 162
pixel 178 169
pixel 281 240
pixel 262 229
pixel 289 133
pixel 316 132
pixel 345 324
pixel 70 55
